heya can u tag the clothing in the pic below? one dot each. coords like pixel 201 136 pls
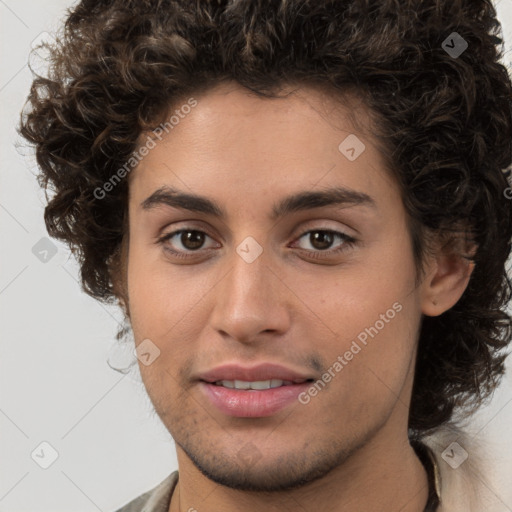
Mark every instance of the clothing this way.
pixel 157 499
pixel 461 489
pixel 468 487
pixel 428 460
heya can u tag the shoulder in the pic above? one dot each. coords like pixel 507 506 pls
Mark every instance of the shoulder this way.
pixel 154 500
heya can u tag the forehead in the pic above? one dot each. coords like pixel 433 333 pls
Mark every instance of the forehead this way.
pixel 234 142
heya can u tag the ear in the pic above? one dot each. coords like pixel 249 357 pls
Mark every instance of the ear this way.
pixel 447 279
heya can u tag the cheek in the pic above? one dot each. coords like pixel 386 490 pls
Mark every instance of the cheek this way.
pixel 372 315
pixel 368 368
pixel 354 299
pixel 159 295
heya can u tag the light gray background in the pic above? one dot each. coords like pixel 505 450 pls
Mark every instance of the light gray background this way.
pixel 55 383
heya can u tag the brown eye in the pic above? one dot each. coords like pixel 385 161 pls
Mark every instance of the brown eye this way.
pixel 183 243
pixel 184 240
pixel 192 239
pixel 321 240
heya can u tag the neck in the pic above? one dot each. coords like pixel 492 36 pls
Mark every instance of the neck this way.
pixel 381 475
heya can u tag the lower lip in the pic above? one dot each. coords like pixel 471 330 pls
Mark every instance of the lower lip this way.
pixel 252 403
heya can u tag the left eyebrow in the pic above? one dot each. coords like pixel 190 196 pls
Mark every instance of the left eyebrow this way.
pixel 305 200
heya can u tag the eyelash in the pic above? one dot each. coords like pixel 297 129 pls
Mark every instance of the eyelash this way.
pixel 348 242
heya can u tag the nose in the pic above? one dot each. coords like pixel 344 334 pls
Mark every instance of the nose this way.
pixel 251 299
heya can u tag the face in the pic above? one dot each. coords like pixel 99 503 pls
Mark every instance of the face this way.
pixel 324 289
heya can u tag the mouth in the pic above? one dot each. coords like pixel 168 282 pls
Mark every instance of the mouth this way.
pixel 252 392
pixel 253 399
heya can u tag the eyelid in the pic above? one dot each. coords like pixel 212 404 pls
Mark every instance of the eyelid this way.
pixel 297 233
pixel 161 239
pixel 347 241
pixel 187 225
pixel 317 225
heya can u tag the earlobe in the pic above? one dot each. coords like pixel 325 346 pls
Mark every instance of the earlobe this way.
pixel 446 283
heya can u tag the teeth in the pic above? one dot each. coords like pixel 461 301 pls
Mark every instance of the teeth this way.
pixel 258 384
pixel 240 384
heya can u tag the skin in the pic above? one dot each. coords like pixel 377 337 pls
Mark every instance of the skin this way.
pixel 302 311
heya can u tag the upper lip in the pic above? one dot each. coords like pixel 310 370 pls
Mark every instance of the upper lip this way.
pixel 263 371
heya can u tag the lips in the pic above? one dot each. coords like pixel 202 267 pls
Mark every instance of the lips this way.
pixel 251 403
pixel 255 392
pixel 261 372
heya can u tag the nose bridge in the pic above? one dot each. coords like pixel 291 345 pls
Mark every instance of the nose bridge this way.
pixel 248 300
pixel 249 279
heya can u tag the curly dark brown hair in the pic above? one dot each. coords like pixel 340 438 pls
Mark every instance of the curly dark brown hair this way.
pixel 444 122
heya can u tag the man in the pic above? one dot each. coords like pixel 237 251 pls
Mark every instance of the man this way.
pixel 300 208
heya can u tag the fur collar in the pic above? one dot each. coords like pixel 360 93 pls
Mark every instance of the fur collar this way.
pixel 463 471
